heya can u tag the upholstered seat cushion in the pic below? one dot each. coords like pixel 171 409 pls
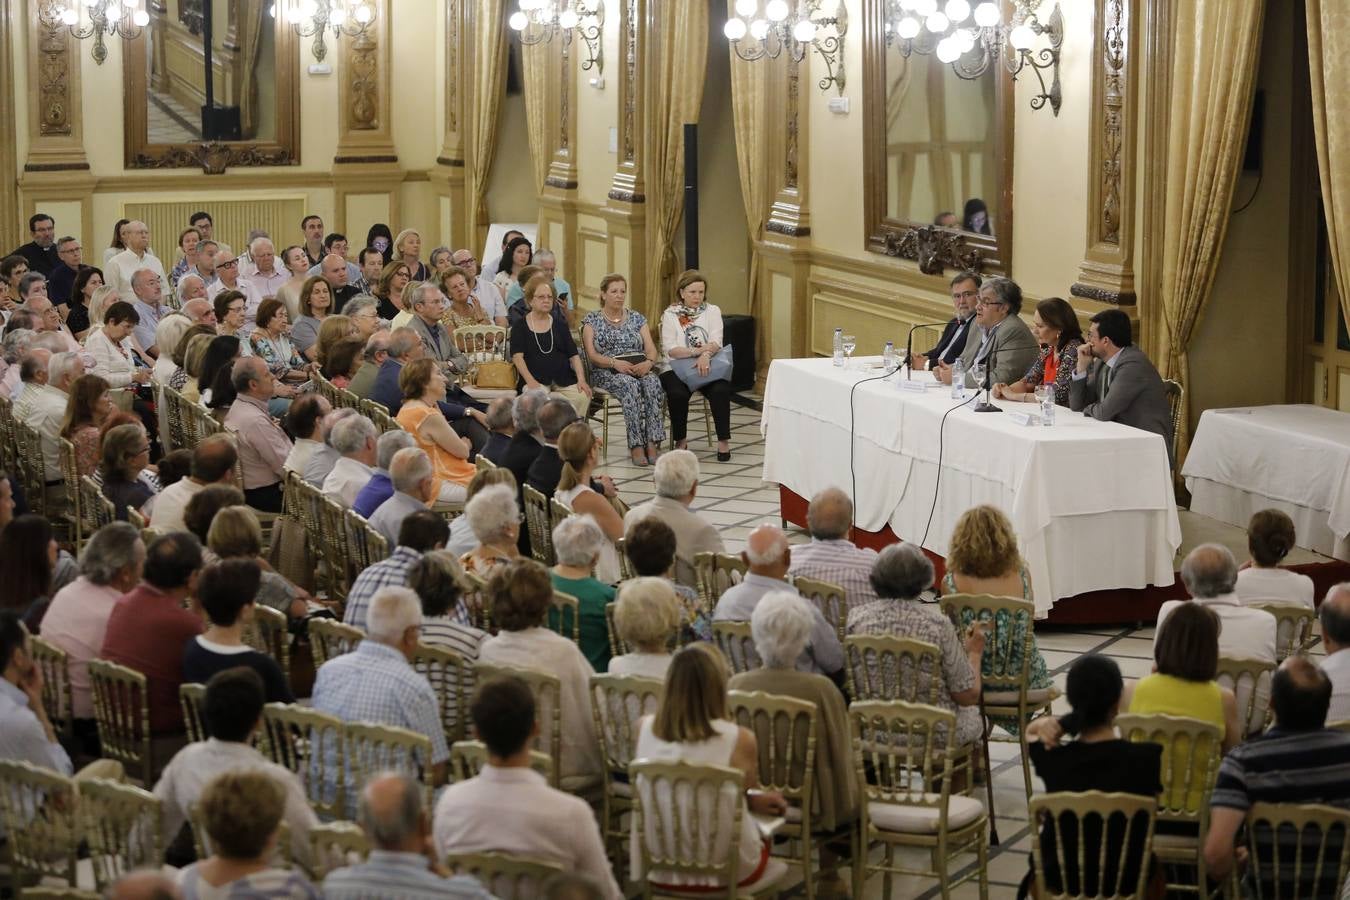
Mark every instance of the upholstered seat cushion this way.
pixel 961 811
pixel 774 870
pixel 1009 698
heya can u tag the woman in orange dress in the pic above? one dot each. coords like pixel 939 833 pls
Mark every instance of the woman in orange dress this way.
pixel 423 386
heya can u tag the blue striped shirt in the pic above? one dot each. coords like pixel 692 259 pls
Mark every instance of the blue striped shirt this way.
pixel 387 874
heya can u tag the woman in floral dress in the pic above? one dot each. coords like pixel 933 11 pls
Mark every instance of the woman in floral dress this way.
pixel 623 356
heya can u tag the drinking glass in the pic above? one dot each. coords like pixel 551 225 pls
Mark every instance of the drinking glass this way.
pixel 977 372
pixel 850 344
pixel 1042 392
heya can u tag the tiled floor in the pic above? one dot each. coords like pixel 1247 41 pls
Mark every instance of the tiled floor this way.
pixel 732 495
pixel 170 122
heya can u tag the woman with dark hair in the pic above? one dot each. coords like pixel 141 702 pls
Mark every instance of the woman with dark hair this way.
pixel 975 217
pixel 182 353
pixel 343 359
pixel 271 344
pixel 231 308
pixel 32 568
pixel 1270 537
pixel 649 545
pixel 213 385
pixel 691 328
pixel 296 262
pixel 118 240
pixel 382 239
pixel 316 302
pixel 87 280
pixel 394 280
pixel 517 255
pixel 1057 331
pixel 623 358
pixel 86 410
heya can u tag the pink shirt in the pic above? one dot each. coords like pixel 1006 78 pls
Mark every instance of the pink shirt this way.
pixel 75 622
pixel 263 446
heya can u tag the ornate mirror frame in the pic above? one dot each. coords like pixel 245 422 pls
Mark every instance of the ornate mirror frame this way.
pixel 213 157
pixel 936 250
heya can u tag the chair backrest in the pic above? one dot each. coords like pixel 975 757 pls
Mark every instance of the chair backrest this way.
pixel 1190 763
pixel 907 749
pixel 467 759
pixel 1069 867
pixel 476 601
pixel 539 524
pixel 480 343
pixel 785 733
pixel 174 405
pixel 625 565
pixel 618 703
pixel 8 452
pixel 451 677
pixel 617 645
pixel 334 845
pixel 329 638
pixel 1174 393
pixel 503 875
pixel 40 812
pixel 55 684
pixel 371 749
pixel 136 519
pixel 365 545
pixel 1008 639
pixel 737 645
pixel 1342 725
pixel 1243 676
pixel 547 690
pixel 96 509
pixel 379 414
pixel 1293 626
pixel 122 711
pixel 830 599
pixel 1297 850
pixel 192 696
pixel 482 464
pixel 123 827
pixel 557 512
pixel 714 573
pixel 564 616
pixel 310 744
pixel 688 821
pixel 333 532
pixel 32 467
pixel 269 633
pixel 70 474
pixel 882 667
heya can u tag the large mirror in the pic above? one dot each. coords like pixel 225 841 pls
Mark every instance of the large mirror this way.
pixel 937 154
pixel 253 83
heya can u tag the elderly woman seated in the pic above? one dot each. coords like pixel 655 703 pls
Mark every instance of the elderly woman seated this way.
pixel 577 541
pixel 650 548
pixel 438 580
pixel 647 617
pixel 520 592
pixel 900 575
pixel 462 539
pixel 781 627
pixel 235 533
pixel 494 519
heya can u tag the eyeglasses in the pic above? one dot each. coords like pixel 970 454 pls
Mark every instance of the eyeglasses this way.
pixel 984 302
pixel 226 265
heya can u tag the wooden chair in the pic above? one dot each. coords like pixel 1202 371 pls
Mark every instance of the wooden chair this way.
pixel 1297 850
pixel 123 827
pixel 269 633
pixel 482 463
pixel 192 697
pixel 540 526
pixel 1069 814
pixel 379 414
pixel 73 515
pixel 56 700
pixel 714 573
pixel 626 571
pixel 371 749
pixel 503 875
pixel 1342 725
pixel 310 744
pixel 8 452
pixel 557 512
pixel 1293 627
pixel 334 845
pixel 96 510
pixel 365 545
pixel 882 667
pixel 1249 680
pixel 830 599
pixel 617 645
pixel 122 711
pixel 477 602
pixel 618 703
pixel 333 534
pixel 906 774
pixel 467 759
pixel 451 677
pixel 547 690
pixel 40 813
pixel 737 645
pixel 564 616
pixel 329 638
pixel 32 468
pixel 175 404
pixel 785 733
pixel 1190 766
pixel 1174 393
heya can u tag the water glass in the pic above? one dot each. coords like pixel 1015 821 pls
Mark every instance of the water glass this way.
pixel 850 344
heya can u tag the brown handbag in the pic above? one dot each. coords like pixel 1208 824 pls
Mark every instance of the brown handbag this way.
pixel 495 375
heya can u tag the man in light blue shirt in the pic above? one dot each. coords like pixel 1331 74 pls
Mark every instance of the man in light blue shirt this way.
pixel 414 484
pixel 26 734
pixel 149 303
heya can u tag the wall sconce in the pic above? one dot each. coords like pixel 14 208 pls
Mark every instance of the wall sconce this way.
pixel 98 19
pixel 776 28
pixel 971 40
pixel 315 18
pixel 536 21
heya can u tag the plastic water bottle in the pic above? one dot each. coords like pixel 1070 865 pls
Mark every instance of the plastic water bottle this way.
pixel 1048 410
pixel 888 357
pixel 839 347
pixel 958 380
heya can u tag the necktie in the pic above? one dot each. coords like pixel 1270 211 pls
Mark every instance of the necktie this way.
pixel 1106 380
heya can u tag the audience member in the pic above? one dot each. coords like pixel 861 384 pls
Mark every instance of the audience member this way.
pixel 263 446
pixel 1056 327
pixel 544 473
pixel 122 267
pixel 168 334
pixel 578 544
pixel 79 302
pixel 495 520
pixel 213 388
pixel 213 462
pixel 579 449
pixel 491 266
pixel 1121 385
pixel 363 310
pixel 144 884
pixel 188 241
pixel 422 383
pixel 1270 537
pixel 831 556
pixel 227 592
pixel 500 423
pixel 111 348
pixel 266 278
pixel 647 618
pixel 41 252
pixel 676 476
pixel 462 539
pixel 43 408
pixel 304 421
pixel 427 306
pixel 380 487
pixel 354 438
pixel 235 533
pixel 370 263
pixel 1335 616
pixel 620 348
pixel 117 245
pixel 126 453
pixel 528 440
pixel 334 271
pixel 691 328
pixel 316 305
pixel 375 354
pixel 558 368
pixel 650 548
pixel 438 579
pixel 481 286
pixel 395 278
pixel 458 408
pixel 271 344
pixel 89 405
pixel 32 568
pixel 147 288
pixel 228 280
pixel 517 252
pixel 26 733
pixel 202 509
pixel 414 487
pixel 422 531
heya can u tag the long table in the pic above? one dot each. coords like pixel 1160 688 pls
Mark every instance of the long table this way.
pixel 1295 458
pixel 1091 501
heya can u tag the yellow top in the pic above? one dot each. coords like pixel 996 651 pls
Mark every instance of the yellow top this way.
pixel 446 465
pixel 1172 696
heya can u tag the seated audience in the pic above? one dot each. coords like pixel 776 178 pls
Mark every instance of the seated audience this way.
pixel 691 328
pixel 271 344
pixel 414 484
pixel 554 414
pixel 342 359
pixel 187 356
pixel 520 594
pixel 324 457
pixel 427 307
pixel 578 542
pixel 769 557
pixel 692 725
pixel 510 808
pixel 620 348
pixel 304 421
pixel 43 408
pixel 201 510
pixel 354 438
pixel 234 534
pixel 831 556
pixel 403 860
pixel 227 592
pixel 380 488
pixel 500 423
pixel 650 548
pixel 647 618
pixel 676 478
pixel 495 521
pixel 1113 381
pixel 422 385
pixel 125 454
pixel 543 351
pixel 232 713
pixel 1335 617
pixel 579 449
pixel 32 568
pixel 1056 328
pixel 213 389
pixel 90 404
pixel 1270 537
pixel 462 539
pixel 438 580
pixel 213 462
pixel 241 811
pixel 422 531
pixel 168 335
pixel 527 442
pixel 316 305
pixel 263 446
pixel 373 356
pixel 110 345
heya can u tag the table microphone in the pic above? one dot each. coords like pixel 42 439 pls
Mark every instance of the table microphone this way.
pixel 909 344
pixel 985 405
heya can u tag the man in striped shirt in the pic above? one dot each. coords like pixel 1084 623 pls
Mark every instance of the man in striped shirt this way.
pixel 831 556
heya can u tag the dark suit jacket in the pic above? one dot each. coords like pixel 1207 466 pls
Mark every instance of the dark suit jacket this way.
pixel 948 348
pixel 495 448
pixel 387 393
pixel 342 295
pixel 1136 398
pixel 545 471
pixel 39 260
pixel 520 455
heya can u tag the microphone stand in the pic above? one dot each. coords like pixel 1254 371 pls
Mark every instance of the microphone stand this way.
pixel 909 346
pixel 985 406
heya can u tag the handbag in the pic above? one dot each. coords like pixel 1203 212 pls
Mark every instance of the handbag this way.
pixel 719 369
pixel 497 374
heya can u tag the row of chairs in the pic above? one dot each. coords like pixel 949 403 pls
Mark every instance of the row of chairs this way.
pixel 340 537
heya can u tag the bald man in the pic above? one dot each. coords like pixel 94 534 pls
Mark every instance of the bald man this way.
pixel 212 463
pixel 200 311
pixel 334 270
pixel 119 270
pixel 190 287
pixel 831 556
pixel 769 557
pixel 1335 615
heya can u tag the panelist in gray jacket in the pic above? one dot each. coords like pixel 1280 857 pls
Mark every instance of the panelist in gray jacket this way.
pixel 1000 339
pixel 1115 382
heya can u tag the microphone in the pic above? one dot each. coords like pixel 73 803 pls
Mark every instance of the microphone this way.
pixel 909 344
pixel 985 405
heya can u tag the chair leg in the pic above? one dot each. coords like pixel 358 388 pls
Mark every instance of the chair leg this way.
pixel 859 861
pixel 1026 760
pixel 807 883
pixel 982 851
pixel 707 422
pixel 989 779
pixel 940 866
pixel 889 863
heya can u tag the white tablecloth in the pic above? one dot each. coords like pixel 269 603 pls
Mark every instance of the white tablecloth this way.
pixel 1292 458
pixel 1091 501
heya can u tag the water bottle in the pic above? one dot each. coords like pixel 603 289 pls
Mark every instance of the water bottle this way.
pixel 888 357
pixel 1048 410
pixel 958 380
pixel 839 347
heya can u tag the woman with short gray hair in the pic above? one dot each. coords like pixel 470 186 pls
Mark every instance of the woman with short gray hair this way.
pixel 494 519
pixel 577 540
pixel 647 616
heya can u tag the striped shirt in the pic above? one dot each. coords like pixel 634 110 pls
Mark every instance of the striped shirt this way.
pixel 837 562
pixel 389 572
pixel 447 632
pixel 387 874
pixel 269 884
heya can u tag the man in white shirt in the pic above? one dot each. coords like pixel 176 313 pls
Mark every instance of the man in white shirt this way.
pixel 414 482
pixel 123 266
pixel 676 476
pixel 1335 615
pixel 43 406
pixel 355 439
pixel 510 808
pixel 266 278
pixel 212 463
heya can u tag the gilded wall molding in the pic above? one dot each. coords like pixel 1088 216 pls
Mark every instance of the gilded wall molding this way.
pixel 562 169
pixel 366 134
pixel 54 107
pixel 788 215
pixel 10 235
pixel 627 185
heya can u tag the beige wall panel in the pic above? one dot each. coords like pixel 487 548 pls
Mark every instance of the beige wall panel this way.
pixel 233 220
pixel 780 293
pixel 597 113
pixel 419 208
pixel 594 264
pixel 69 216
pixel 364 210
pixel 444 220
pixel 417 68
pixel 837 305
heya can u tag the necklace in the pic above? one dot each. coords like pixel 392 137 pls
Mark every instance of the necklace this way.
pixel 539 344
pixel 618 321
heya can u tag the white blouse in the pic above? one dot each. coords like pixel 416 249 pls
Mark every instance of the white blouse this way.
pixel 112 362
pixel 707 328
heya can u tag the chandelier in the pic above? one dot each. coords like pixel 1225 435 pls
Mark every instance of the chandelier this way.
pixel 537 21
pixel 99 19
pixel 770 28
pixel 316 18
pixel 972 40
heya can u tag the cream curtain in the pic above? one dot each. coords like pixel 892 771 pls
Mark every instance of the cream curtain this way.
pixel 1215 55
pixel 749 100
pixel 678 59
pixel 251 17
pixel 488 69
pixel 1328 52
pixel 535 63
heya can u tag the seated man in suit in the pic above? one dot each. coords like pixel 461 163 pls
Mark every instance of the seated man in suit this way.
pixel 965 293
pixel 1000 340
pixel 546 470
pixel 1121 385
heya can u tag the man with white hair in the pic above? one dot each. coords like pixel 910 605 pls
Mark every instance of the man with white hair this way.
pixel 324 457
pixel 1335 616
pixel 768 556
pixel 227 279
pixel 190 287
pixel 528 441
pixel 577 543
pixel 266 278
pixel 376 352
pixel 380 487
pixel 354 438
pixel 428 305
pixel 414 482
pixel 376 683
pixel 199 310
pixel 831 556
pixel 676 477
pixel 43 407
pixel 33 290
pixel 422 531
pixel 500 423
pixel 118 271
pixel 263 446
pixel 147 287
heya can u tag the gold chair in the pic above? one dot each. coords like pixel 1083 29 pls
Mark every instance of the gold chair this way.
pixel 70 474
pixel 122 711
pixel 334 845
pixel 714 573
pixel 1174 393
pixel 626 571
pixel 1249 680
pixel 564 616
pixel 1297 850
pixel 477 602
pixel 1128 815
pixel 310 744
pixel 379 414
pixel 365 545
pixel 906 771
pixel 557 512
pixel 482 463
pixel 329 638
pixel 175 404
pixel 617 645
pixel 333 533
pixel 451 677
pixel 371 749
pixel 481 343
pixel 137 520
pixel 32 468
pixel 269 633
pixel 618 703
pixel 467 759
pixel 547 690
pixel 1190 766
pixel 1342 725
pixel 40 813
pixel 8 453
pixel 785 734
pixel 51 660
pixel 96 509
pixel 830 599
pixel 123 825
pixel 192 697
pixel 882 667
pixel 1293 627
pixel 539 524
pixel 503 875
pixel 737 645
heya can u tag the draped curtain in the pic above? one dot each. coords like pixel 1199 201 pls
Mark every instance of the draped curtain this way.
pixel 678 59
pixel 535 62
pixel 749 100
pixel 487 71
pixel 1328 60
pixel 1216 50
pixel 253 23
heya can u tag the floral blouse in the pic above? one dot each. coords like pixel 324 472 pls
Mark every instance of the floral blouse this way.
pixel 1061 368
pixel 452 318
pixel 85 441
pixel 279 354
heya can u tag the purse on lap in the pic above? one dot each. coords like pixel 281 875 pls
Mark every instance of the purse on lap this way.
pixel 719 369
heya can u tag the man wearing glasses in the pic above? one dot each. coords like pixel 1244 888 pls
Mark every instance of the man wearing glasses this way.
pixel 965 291
pixel 1000 338
pixel 481 289
pixel 61 281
